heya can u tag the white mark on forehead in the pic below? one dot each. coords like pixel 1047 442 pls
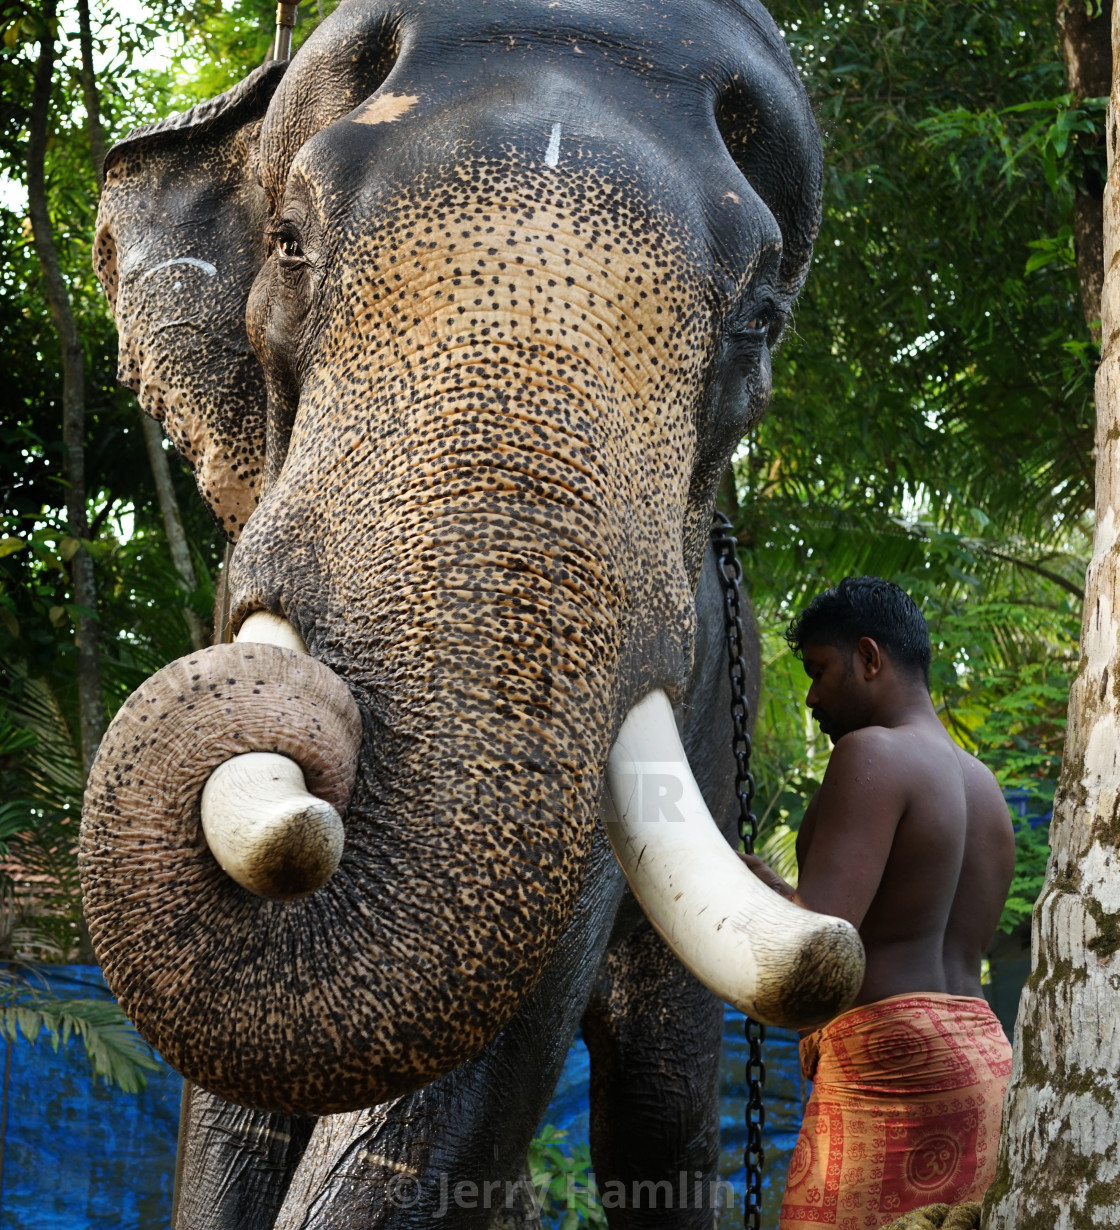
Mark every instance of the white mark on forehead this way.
pixel 552 154
pixel 205 266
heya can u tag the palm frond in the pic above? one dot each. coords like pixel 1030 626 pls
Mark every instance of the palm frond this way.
pixel 116 1053
pixel 53 762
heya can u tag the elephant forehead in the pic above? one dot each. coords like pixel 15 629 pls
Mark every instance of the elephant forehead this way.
pixel 516 303
pixel 661 45
pixel 664 76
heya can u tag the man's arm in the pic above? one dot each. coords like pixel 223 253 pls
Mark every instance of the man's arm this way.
pixel 766 873
pixel 855 816
pixel 859 805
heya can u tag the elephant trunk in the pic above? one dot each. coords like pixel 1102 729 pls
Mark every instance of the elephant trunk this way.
pixel 258 968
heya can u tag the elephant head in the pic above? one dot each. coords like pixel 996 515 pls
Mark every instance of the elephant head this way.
pixel 516 271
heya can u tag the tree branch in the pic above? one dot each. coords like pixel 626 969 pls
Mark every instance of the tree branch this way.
pixel 173 523
pixel 90 97
pixel 82 581
pixel 1038 570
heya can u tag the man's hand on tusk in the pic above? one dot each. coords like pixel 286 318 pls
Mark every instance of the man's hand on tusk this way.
pixel 768 876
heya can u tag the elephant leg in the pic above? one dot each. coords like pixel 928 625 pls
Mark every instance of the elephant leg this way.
pixel 452 1153
pixel 653 1034
pixel 234 1164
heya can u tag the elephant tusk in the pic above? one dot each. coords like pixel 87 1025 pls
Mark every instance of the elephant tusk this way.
pixel 266 831
pixel 769 958
pixel 263 827
pixel 264 628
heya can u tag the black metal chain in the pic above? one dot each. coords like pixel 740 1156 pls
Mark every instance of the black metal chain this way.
pixel 731 575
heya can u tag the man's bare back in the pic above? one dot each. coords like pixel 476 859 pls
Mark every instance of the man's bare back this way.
pixel 908 838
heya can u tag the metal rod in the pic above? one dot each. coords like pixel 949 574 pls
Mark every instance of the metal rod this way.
pixel 285 23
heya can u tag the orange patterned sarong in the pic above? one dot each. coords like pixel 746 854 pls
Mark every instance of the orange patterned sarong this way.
pixel 905 1111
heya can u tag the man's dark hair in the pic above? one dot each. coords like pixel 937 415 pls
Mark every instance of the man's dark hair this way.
pixel 866 606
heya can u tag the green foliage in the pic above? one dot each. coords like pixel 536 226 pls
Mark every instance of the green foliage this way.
pixel 116 1053
pixel 142 602
pixel 565 1186
pixel 1032 852
pixel 932 412
pixel 980 144
pixel 212 45
pixel 40 894
pixel 1020 726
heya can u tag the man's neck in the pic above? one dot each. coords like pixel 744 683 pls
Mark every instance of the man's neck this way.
pixel 909 706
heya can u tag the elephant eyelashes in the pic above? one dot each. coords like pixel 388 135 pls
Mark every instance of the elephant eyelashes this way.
pixel 758 325
pixel 287 243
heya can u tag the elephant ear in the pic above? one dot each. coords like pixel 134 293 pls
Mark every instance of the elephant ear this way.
pixel 766 121
pixel 180 238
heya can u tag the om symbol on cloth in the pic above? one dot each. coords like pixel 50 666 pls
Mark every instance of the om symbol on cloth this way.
pixel 898 1048
pixel 929 1162
pixel 934 1162
pixel 801 1161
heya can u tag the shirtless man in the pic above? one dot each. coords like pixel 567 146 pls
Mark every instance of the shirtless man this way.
pixel 910 839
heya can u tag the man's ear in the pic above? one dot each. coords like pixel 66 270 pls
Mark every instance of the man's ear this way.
pixel 870 658
pixel 180 238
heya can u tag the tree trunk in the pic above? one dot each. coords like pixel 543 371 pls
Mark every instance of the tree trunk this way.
pixel 82 582
pixel 94 130
pixel 1087 52
pixel 1059 1165
pixel 173 524
pixel 153 437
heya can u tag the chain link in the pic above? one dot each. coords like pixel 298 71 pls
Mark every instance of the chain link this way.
pixel 731 576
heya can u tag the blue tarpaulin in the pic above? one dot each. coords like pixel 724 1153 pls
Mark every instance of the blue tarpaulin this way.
pixel 76 1155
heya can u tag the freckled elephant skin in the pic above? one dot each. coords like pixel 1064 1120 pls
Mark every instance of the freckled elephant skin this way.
pixel 515 271
pixel 652 1030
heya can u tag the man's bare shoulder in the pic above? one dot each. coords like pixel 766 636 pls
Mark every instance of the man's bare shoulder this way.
pixel 866 740
pixel 982 783
pixel 893 754
pixel 877 745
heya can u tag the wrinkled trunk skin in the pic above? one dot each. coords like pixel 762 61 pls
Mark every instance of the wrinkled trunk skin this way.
pixel 396 1166
pixel 1059 1166
pixel 393 1165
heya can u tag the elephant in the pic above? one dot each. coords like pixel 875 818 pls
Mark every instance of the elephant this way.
pixel 457 319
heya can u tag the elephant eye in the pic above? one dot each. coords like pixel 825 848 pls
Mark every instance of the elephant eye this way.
pixel 757 323
pixel 287 242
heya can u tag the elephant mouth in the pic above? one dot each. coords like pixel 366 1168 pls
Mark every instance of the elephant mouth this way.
pixel 270 824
